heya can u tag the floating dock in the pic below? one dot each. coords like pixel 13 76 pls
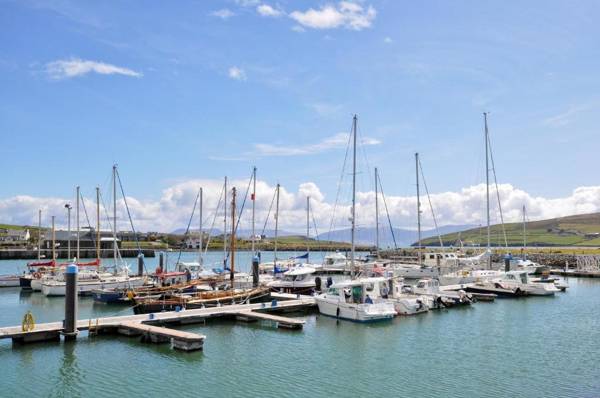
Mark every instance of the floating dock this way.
pixel 147 325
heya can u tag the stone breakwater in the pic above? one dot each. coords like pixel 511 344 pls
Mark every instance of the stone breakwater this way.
pixel 554 260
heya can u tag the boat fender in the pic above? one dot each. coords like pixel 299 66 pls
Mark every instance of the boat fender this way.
pixel 337 312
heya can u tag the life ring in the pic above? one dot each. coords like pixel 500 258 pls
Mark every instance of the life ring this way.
pixel 37 275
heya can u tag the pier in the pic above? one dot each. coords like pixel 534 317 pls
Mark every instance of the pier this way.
pixel 148 325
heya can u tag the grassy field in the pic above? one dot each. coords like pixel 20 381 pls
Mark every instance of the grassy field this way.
pixel 564 231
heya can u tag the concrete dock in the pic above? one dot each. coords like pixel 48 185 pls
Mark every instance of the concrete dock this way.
pixel 146 325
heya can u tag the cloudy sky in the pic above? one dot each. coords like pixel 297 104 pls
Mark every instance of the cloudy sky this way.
pixel 182 95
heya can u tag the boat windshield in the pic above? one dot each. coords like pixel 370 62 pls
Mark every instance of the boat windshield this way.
pixel 333 291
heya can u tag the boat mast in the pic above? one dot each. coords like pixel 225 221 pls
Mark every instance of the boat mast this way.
pixel 232 236
pixel 307 227
pixel 200 230
pixel 276 225
pixel 253 207
pixel 353 217
pixel 225 223
pixel 115 214
pixel 418 209
pixel 53 240
pixel 97 223
pixel 524 229
pixel 376 213
pixel 77 222
pixel 487 189
pixel 39 234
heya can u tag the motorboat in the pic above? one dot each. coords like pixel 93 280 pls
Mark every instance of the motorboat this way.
pixel 306 279
pixel 438 298
pixel 357 300
pixel 521 280
pixel 406 303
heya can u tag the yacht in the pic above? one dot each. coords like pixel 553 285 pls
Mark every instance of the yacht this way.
pixel 437 298
pixel 87 282
pixel 357 300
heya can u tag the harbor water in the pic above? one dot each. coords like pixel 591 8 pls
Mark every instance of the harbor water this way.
pixel 530 347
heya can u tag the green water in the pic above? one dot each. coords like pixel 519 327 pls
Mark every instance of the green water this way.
pixel 534 347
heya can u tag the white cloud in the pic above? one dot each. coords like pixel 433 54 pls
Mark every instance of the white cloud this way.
pixel 267 11
pixel 172 210
pixel 339 140
pixel 236 73
pixel 565 118
pixel 223 13
pixel 73 67
pixel 247 3
pixel 388 40
pixel 298 28
pixel 346 14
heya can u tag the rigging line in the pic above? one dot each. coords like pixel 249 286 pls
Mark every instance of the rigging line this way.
pixel 137 241
pixel 497 192
pixel 315 226
pixel 242 208
pixel 214 220
pixel 269 212
pixel 106 213
pixel 88 219
pixel 437 230
pixel 364 153
pixel 339 185
pixel 387 212
pixel 187 230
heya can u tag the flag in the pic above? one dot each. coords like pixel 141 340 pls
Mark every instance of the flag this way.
pixel 252 196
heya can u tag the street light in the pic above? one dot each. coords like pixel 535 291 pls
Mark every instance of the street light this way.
pixel 69 207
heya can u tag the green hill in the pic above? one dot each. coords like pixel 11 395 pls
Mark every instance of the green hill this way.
pixel 579 230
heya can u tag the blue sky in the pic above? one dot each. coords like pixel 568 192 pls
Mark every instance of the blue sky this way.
pixel 201 89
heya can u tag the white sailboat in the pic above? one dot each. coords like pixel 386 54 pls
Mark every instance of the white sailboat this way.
pixel 356 299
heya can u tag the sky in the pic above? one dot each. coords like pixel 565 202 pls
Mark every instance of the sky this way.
pixel 182 94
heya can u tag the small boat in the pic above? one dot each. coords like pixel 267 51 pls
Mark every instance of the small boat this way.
pixel 357 300
pixel 406 303
pixel 90 282
pixel 522 281
pixel 430 288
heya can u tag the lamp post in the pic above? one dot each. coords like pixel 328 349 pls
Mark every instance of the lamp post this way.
pixel 68 207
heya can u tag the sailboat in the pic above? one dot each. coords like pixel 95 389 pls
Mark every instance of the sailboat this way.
pixel 359 299
pixel 94 280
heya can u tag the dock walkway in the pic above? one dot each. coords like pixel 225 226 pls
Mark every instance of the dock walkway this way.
pixel 146 324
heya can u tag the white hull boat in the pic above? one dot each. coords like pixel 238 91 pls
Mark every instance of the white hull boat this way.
pixel 521 280
pixel 357 300
pixel 58 288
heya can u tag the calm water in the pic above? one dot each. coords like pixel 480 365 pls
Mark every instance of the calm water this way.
pixel 535 347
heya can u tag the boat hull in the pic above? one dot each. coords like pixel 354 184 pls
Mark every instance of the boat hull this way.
pixel 356 312
pixel 86 288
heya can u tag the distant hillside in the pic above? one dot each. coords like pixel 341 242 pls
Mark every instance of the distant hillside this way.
pixel 578 230
pixel 404 237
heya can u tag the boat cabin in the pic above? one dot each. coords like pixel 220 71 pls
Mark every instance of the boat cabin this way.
pixel 441 259
pixel 356 291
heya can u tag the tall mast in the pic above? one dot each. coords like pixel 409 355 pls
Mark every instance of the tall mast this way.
pixel 418 209
pixel 376 213
pixel 307 226
pixel 40 234
pixel 253 206
pixel 353 192
pixel 232 236
pixel 225 222
pixel 98 223
pixel 276 226
pixel 53 240
pixel 115 213
pixel 200 230
pixel 487 187
pixel 77 221
pixel 524 229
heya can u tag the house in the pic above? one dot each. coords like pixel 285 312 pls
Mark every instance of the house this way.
pixel 87 239
pixel 192 241
pixel 9 236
